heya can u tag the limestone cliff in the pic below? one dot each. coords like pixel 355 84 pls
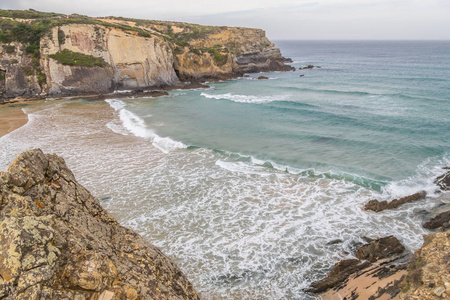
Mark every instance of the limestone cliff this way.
pixel 53 54
pixel 133 61
pixel 57 242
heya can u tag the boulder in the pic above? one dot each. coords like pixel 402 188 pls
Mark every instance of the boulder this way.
pixel 262 77
pixel 57 242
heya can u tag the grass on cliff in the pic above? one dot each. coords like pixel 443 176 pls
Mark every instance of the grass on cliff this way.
pixel 70 58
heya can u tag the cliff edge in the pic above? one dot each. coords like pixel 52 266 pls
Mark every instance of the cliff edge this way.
pixel 57 242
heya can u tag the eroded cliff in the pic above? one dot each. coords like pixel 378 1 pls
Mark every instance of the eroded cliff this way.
pixel 57 242
pixel 54 56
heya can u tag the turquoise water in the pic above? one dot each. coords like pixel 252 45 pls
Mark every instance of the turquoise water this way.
pixel 245 184
pixel 376 109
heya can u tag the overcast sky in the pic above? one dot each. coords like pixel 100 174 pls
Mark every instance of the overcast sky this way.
pixel 281 19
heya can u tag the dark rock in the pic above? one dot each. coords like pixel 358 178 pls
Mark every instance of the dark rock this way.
pixel 381 248
pixel 341 271
pixel 334 242
pixel 441 220
pixel 378 206
pixel 308 67
pixel 302 75
pixel 57 242
pixel 262 77
pixel 443 181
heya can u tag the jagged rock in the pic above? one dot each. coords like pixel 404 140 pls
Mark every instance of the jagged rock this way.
pixel 441 220
pixel 262 77
pixel 57 242
pixel 308 67
pixel 378 206
pixel 443 181
pixel 370 264
pixel 381 248
pixel 341 271
pixel 302 75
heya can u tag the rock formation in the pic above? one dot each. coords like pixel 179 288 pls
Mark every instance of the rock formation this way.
pixel 137 54
pixel 378 265
pixel 57 242
pixel 378 206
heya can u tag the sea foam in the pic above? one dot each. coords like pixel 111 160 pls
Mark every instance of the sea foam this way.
pixel 136 125
pixel 246 98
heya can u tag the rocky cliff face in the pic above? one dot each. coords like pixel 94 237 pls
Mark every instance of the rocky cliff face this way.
pixel 17 74
pixel 138 54
pixel 57 242
pixel 133 61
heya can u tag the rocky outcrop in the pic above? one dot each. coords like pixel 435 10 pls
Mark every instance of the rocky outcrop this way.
pixel 378 206
pixel 57 242
pixel 377 271
pixel 441 220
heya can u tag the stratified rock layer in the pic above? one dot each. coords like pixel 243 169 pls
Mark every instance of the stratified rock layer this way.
pixel 57 242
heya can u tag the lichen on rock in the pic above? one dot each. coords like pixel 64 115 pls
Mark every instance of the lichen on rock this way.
pixel 56 241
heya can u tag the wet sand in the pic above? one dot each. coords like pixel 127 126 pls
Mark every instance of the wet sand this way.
pixel 11 118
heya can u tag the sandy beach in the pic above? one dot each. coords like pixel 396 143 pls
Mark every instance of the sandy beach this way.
pixel 11 118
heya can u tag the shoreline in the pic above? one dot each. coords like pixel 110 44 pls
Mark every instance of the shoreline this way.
pixel 12 118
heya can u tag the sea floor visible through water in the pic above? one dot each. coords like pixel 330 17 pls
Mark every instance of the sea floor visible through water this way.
pixel 255 188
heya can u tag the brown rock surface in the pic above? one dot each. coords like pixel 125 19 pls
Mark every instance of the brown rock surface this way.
pixel 379 249
pixel 378 206
pixel 57 242
pixel 429 272
pixel 376 273
pixel 441 220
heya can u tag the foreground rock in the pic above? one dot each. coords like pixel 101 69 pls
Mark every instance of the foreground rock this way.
pixel 376 273
pixel 57 242
pixel 428 274
pixel 378 206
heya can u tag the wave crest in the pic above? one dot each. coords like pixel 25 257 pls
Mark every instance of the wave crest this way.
pixel 246 98
pixel 136 125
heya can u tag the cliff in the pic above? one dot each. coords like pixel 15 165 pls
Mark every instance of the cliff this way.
pixel 57 242
pixel 54 54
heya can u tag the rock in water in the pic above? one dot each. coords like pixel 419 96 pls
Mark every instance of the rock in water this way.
pixel 443 181
pixel 378 206
pixel 57 242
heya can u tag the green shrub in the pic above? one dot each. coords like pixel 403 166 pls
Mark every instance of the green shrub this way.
pixel 10 49
pixel 70 58
pixel 14 61
pixel 61 37
pixel 2 76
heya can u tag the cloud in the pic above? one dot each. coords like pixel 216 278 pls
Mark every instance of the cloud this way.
pixel 296 19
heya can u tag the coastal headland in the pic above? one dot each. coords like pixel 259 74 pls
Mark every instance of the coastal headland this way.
pixel 49 54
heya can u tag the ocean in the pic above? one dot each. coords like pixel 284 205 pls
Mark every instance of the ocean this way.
pixel 255 188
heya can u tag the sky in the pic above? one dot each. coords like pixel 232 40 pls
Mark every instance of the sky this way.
pixel 281 19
